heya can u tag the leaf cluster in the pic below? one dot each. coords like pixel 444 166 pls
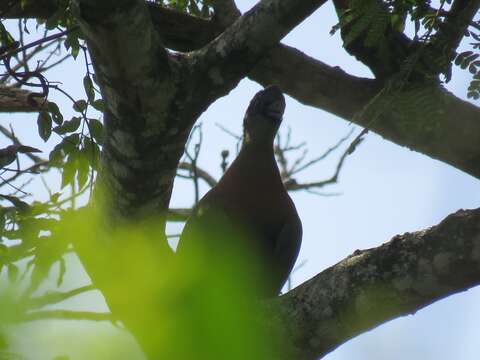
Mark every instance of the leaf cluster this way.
pixel 469 60
pixel 201 8
pixel 369 22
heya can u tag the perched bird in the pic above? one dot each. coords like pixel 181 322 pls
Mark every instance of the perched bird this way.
pixel 250 204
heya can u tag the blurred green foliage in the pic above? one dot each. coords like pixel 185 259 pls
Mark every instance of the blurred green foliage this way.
pixel 177 307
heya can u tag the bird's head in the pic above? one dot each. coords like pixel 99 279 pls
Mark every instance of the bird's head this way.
pixel 264 115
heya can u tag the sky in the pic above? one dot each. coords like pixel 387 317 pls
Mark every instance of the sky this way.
pixel 383 190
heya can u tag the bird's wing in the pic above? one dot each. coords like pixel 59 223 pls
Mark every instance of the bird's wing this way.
pixel 209 228
pixel 287 247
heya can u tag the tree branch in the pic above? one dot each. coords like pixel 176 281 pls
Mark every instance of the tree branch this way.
pixel 138 91
pixel 179 215
pixel 227 58
pixel 202 174
pixel 376 285
pixel 17 100
pixel 56 297
pixel 292 185
pixel 339 93
pixel 452 30
pixel 30 9
pixel 449 133
pixel 67 315
pixel 226 12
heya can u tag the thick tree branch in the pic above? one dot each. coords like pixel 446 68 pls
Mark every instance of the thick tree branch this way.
pixel 182 32
pixel 226 12
pixel 316 84
pixel 177 30
pixel 226 59
pixel 14 9
pixel 376 285
pixel 18 100
pixel 457 20
pixel 329 88
pixel 450 133
pixel 135 76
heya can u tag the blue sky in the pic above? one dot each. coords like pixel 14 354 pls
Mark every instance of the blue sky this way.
pixel 385 190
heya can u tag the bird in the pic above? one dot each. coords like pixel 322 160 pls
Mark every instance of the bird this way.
pixel 249 207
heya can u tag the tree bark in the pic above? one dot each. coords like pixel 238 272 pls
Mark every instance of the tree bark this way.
pixel 17 100
pixel 371 287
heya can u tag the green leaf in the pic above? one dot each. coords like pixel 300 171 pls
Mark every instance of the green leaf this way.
pixel 54 198
pixel 71 43
pixel 5 38
pixel 83 169
pixel 68 126
pixel 56 155
pixel 55 111
pixel 91 151
pixel 7 155
pixel 21 206
pixel 80 105
pixel 99 105
pixel 88 86
pixel 96 130
pixel 473 95
pixel 52 22
pixel 69 169
pixel 24 149
pixel 71 142
pixel 75 51
pixel 68 145
pixel 44 122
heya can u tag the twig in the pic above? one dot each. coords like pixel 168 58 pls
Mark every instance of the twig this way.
pixel 202 174
pixel 178 215
pixel 34 169
pixel 194 159
pixel 229 132
pixel 56 297
pixel 294 186
pixel 67 315
pixel 17 189
pixel 14 139
pixel 35 43
pixel 323 156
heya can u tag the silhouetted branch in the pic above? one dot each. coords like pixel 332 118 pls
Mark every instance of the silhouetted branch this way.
pixel 67 315
pixel 292 185
pixel 201 173
pixel 56 297
pixel 179 215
